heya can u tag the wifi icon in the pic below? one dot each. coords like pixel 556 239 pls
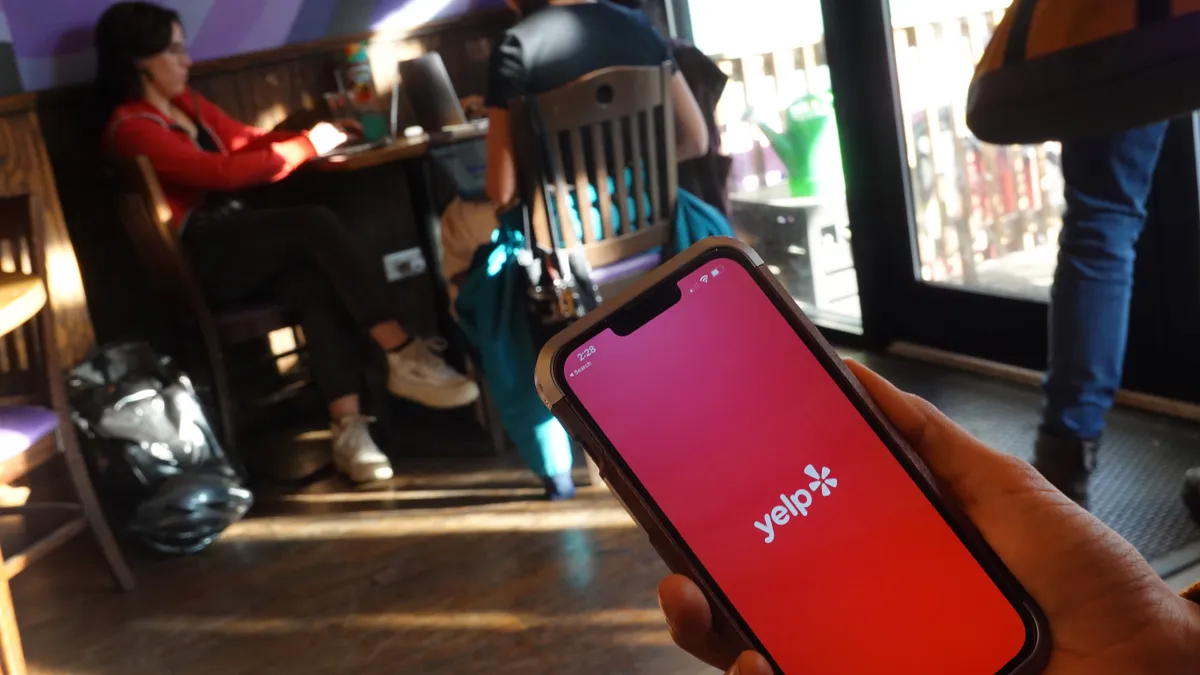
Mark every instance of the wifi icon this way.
pixel 704 279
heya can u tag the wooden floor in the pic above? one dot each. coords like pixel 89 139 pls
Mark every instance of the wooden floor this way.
pixel 454 568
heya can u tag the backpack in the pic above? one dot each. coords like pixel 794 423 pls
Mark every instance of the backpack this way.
pixel 1057 69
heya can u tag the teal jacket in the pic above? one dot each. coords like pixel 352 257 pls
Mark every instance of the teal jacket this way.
pixel 491 311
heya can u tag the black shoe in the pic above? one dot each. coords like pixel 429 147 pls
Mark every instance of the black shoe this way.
pixel 1191 492
pixel 1066 463
pixel 560 487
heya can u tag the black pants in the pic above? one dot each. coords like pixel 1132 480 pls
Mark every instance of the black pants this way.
pixel 305 260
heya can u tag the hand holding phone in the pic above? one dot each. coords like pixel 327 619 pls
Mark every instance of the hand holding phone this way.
pixel 806 521
pixel 736 438
pixel 1077 569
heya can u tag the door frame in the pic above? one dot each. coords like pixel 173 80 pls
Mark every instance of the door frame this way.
pixel 898 306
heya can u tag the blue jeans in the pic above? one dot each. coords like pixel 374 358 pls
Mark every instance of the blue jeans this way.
pixel 1108 180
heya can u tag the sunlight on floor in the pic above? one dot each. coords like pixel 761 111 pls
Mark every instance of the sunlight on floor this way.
pixel 405 524
pixel 399 621
pixel 410 495
pixel 644 638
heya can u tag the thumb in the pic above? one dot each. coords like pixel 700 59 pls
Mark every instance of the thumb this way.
pixel 749 663
pixel 972 471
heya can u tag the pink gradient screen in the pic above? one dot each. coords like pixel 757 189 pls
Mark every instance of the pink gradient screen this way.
pixel 820 540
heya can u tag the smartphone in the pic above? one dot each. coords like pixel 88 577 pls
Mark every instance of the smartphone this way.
pixel 736 438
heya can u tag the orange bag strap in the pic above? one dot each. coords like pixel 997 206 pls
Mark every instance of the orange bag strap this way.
pixel 1018 35
pixel 1153 11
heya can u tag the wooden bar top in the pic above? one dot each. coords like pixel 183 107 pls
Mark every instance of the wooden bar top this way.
pixel 396 151
pixel 21 298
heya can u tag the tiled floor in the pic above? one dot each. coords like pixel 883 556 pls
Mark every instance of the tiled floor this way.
pixel 1136 487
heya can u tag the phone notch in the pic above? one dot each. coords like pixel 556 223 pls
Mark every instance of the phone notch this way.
pixel 644 309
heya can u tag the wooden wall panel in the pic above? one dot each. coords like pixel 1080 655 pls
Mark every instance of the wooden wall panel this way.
pixel 266 95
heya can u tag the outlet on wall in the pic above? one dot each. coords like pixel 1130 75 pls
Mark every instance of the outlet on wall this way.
pixel 404 264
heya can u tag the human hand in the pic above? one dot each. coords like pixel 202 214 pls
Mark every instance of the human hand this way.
pixel 473 107
pixel 1109 613
pixel 325 137
pixel 351 127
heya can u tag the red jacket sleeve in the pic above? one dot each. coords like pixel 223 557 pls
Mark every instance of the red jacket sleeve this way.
pixel 271 137
pixel 177 160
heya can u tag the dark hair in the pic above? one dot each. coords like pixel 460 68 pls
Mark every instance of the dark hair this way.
pixel 527 7
pixel 126 33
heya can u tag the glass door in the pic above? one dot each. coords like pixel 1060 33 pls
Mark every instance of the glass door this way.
pixel 955 240
pixel 985 217
pixel 778 129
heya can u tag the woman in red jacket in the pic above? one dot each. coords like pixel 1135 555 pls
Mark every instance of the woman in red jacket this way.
pixel 301 258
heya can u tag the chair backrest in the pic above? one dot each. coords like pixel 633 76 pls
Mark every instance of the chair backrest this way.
pixel 146 215
pixel 28 354
pixel 613 131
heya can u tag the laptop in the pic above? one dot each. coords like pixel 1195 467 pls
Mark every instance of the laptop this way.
pixel 430 93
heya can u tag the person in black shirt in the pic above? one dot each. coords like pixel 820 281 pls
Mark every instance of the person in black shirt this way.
pixel 559 41
pixel 706 176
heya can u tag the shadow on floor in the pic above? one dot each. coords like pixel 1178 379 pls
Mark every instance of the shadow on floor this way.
pixel 498 584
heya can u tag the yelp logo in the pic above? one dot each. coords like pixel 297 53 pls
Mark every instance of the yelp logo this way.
pixel 797 503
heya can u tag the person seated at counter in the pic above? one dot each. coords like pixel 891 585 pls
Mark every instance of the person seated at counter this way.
pixel 559 41
pixel 301 258
pixel 554 43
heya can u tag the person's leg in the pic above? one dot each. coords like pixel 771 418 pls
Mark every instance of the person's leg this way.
pixel 335 345
pixel 1107 183
pixel 232 268
pixel 313 236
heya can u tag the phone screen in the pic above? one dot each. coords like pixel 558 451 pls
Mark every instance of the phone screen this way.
pixel 788 500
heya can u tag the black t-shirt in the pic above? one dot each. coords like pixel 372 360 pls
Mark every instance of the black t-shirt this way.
pixel 561 43
pixel 206 142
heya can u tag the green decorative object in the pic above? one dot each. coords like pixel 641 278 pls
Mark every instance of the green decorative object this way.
pixel 809 147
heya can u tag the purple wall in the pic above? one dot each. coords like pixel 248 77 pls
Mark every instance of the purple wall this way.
pixel 44 43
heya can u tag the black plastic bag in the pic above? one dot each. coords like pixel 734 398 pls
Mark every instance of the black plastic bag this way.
pixel 155 459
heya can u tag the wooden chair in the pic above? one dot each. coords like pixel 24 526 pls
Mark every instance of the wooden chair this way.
pixel 604 125
pixel 147 218
pixel 574 139
pixel 35 423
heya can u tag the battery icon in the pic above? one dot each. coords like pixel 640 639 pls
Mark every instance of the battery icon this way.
pixel 716 271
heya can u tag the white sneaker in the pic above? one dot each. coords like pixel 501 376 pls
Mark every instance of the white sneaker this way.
pixel 419 374
pixel 355 452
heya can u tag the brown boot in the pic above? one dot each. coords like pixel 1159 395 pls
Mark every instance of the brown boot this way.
pixel 1066 463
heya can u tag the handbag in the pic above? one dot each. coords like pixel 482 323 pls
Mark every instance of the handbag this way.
pixel 560 289
pixel 1058 69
